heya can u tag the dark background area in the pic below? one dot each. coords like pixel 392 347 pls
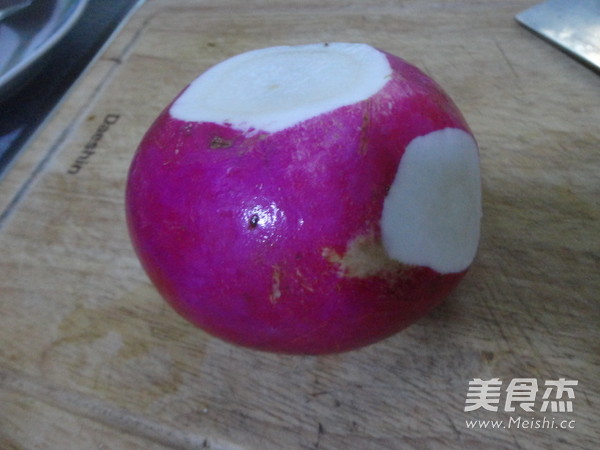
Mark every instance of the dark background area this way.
pixel 24 110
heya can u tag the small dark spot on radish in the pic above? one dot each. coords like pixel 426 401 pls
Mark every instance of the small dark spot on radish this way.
pixel 219 142
pixel 253 221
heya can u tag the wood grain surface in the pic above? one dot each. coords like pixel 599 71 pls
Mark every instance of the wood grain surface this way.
pixel 92 358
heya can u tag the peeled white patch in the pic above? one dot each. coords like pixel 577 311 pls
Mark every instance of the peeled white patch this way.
pixel 274 88
pixel 432 213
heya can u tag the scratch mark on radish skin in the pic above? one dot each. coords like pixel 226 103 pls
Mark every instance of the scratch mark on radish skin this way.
pixel 303 281
pixel 364 130
pixel 276 285
pixel 364 257
pixel 219 142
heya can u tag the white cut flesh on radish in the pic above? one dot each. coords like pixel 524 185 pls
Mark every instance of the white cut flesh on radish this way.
pixel 432 212
pixel 275 88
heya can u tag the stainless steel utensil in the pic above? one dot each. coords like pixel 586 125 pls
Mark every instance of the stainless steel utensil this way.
pixel 8 7
pixel 572 25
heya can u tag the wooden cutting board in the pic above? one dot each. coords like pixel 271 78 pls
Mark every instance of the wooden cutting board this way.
pixel 91 357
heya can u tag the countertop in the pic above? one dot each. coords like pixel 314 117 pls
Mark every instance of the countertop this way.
pixel 92 357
